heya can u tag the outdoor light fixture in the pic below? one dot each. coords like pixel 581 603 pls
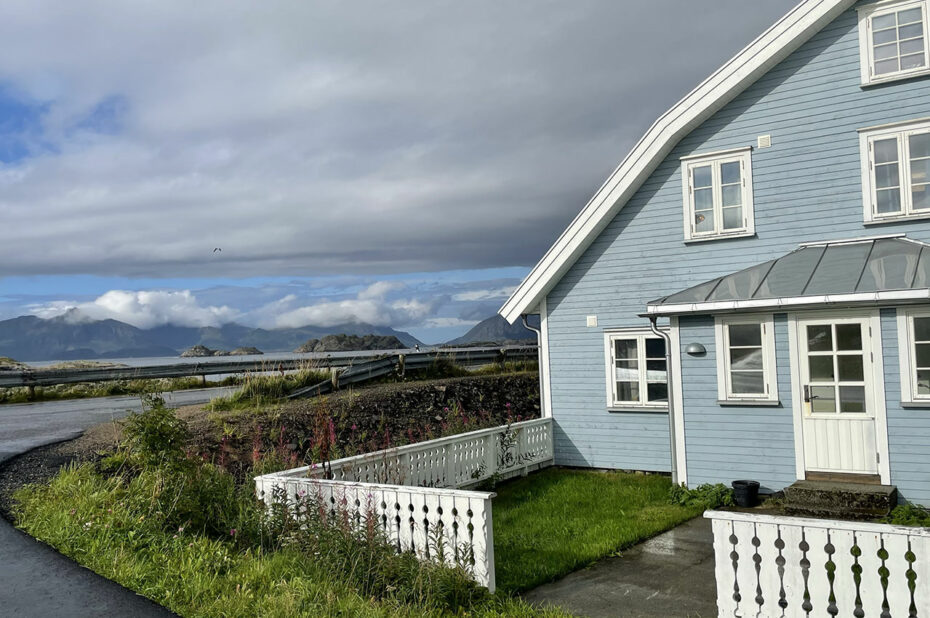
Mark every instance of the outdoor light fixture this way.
pixel 695 349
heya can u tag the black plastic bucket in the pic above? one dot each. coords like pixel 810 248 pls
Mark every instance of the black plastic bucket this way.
pixel 746 493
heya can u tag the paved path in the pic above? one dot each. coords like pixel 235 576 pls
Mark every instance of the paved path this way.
pixel 670 576
pixel 35 580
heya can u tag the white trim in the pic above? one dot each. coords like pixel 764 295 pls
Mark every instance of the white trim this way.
pixel 773 46
pixel 794 354
pixel 678 407
pixel 866 50
pixel 901 132
pixel 769 368
pixel 881 414
pixel 639 334
pixel 546 395
pixel 715 160
pixel 717 154
pixel 922 294
pixel 893 125
pixel 907 360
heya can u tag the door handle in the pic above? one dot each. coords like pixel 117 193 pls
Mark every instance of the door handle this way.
pixel 807 394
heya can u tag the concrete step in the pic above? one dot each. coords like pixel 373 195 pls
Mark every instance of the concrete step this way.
pixel 840 500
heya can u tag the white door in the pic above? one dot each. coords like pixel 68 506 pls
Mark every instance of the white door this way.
pixel 838 395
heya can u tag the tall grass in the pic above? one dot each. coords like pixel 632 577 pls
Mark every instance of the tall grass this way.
pixel 261 388
pixel 83 390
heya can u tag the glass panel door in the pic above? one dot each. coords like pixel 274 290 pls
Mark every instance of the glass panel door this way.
pixel 835 381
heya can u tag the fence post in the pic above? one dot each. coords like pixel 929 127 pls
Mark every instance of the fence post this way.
pixel 490 453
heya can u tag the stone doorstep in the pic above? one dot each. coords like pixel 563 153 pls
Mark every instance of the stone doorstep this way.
pixel 840 500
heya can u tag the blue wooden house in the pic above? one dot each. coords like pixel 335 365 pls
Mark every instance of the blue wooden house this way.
pixel 748 294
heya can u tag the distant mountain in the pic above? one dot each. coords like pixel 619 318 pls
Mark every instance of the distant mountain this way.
pixel 70 337
pixel 496 330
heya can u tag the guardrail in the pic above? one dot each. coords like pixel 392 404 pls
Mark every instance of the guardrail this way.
pixel 416 492
pixel 357 368
pixel 796 567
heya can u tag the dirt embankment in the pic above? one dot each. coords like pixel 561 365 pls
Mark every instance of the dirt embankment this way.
pixel 360 420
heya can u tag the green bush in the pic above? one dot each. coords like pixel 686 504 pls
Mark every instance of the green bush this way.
pixel 156 435
pixel 909 515
pixel 707 496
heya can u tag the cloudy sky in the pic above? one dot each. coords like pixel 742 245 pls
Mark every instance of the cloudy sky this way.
pixel 400 163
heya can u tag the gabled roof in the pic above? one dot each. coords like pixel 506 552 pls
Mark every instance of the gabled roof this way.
pixel 773 46
pixel 868 270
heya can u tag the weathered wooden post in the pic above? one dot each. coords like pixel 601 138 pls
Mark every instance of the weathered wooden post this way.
pixel 31 390
pixel 401 364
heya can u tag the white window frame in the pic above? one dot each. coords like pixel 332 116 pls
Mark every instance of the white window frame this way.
pixel 640 334
pixel 866 50
pixel 769 369
pixel 907 354
pixel 741 155
pixel 867 137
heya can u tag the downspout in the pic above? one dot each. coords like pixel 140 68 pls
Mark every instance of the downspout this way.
pixel 542 398
pixel 671 393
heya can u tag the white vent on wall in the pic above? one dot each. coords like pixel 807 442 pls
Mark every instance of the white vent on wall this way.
pixel 592 321
pixel 765 141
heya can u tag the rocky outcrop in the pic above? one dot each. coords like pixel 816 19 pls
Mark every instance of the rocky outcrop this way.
pixel 201 351
pixel 247 351
pixel 351 343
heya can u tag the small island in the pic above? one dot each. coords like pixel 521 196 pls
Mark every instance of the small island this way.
pixel 351 343
pixel 202 351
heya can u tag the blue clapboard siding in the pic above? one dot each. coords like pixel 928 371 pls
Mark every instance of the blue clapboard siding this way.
pixel 725 443
pixel 807 187
pixel 908 429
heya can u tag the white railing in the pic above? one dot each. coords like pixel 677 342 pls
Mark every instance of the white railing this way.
pixel 448 526
pixel 415 492
pixel 791 566
pixel 463 460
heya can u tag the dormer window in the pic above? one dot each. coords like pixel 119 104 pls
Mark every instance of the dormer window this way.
pixel 893 40
pixel 717 192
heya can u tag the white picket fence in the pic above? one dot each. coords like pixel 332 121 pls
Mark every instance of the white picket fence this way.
pixel 768 566
pixel 415 492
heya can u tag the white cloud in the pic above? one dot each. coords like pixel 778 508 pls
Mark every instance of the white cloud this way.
pixel 370 306
pixel 448 323
pixel 475 295
pixel 143 309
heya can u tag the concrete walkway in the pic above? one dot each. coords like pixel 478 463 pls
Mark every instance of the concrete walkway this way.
pixel 670 576
pixel 35 580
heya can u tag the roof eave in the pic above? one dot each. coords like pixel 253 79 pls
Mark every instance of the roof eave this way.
pixel 794 302
pixel 770 48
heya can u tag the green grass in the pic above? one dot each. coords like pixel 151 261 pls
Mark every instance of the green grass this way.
pixel 259 389
pixel 558 521
pixel 82 390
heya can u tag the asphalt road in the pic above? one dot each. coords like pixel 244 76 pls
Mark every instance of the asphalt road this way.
pixel 35 580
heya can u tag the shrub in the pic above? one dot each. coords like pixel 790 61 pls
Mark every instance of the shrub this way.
pixel 909 515
pixel 156 435
pixel 707 496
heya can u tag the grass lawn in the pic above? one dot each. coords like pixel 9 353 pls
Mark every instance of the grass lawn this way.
pixel 557 521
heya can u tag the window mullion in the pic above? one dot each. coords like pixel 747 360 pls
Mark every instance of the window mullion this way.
pixel 643 383
pixel 718 198
pixel 904 171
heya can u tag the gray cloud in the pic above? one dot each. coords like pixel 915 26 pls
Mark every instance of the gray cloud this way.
pixel 325 138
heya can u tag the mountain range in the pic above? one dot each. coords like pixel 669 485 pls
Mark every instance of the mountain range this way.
pixel 496 330
pixel 69 337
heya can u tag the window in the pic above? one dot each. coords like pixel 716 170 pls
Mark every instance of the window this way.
pixel 746 359
pixel 893 40
pixel 896 181
pixel 717 191
pixel 914 343
pixel 637 375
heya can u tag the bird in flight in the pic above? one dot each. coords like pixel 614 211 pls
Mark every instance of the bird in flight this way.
pixel 215 249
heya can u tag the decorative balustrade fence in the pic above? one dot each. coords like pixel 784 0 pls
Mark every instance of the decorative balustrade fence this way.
pixel 415 493
pixel 789 566
pixel 448 526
